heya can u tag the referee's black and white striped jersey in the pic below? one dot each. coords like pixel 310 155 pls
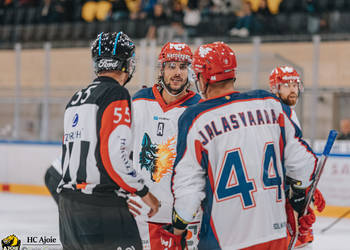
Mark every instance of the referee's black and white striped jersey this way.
pixel 97 134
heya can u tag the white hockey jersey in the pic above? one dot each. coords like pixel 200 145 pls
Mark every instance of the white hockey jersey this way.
pixel 294 118
pixel 154 147
pixel 235 151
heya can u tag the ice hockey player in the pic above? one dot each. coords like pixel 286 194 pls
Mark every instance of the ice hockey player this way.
pixel 233 153
pixel 156 111
pixel 285 82
pixel 93 211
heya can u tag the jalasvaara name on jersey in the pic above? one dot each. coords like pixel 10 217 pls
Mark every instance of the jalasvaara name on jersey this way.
pixel 236 121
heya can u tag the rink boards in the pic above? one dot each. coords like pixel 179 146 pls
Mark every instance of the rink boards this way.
pixel 23 165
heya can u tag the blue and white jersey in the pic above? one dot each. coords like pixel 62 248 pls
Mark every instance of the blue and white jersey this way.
pixel 294 118
pixel 154 131
pixel 233 153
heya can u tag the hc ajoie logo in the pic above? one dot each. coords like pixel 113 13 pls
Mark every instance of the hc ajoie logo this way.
pixel 11 243
pixel 160 129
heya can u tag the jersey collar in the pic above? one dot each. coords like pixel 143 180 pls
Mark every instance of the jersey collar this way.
pixel 166 107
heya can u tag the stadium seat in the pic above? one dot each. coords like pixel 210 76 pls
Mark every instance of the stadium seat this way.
pixel 334 19
pixel 322 5
pixel 9 16
pixel 65 31
pixel 281 21
pixel 119 25
pixel 339 4
pixel 102 27
pixel 31 15
pixel 28 33
pixel 17 33
pixel 52 32
pixel 20 14
pixel 90 31
pixel 40 32
pixel 297 22
pixel 6 32
pixel 78 29
pixel 345 21
pixel 287 6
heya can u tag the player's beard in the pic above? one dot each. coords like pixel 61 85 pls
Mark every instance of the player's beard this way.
pixel 291 99
pixel 179 88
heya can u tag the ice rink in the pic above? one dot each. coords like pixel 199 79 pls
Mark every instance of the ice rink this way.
pixel 37 216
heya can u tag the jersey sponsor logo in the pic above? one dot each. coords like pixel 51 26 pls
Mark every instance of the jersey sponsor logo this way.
pixel 280 225
pixel 166 243
pixel 11 243
pixel 157 159
pixel 75 120
pixel 160 129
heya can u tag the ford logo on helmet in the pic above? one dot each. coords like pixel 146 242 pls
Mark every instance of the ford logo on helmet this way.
pixel 108 63
pixel 75 120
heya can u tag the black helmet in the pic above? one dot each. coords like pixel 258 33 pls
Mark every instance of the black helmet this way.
pixel 113 51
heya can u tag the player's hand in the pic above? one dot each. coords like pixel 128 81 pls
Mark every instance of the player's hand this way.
pixel 171 241
pixel 305 224
pixel 152 202
pixel 134 207
pixel 319 201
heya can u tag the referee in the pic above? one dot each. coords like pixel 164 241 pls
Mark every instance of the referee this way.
pixel 96 171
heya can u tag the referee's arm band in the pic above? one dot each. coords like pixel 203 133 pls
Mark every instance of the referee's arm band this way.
pixel 142 192
pixel 178 222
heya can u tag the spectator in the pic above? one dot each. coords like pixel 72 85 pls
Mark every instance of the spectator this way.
pixel 28 3
pixel 344 129
pixel 192 16
pixel 119 10
pixel 244 23
pixel 133 7
pixel 274 6
pixel 158 22
pixel 55 11
pixel 262 19
pixel 92 10
pixel 177 18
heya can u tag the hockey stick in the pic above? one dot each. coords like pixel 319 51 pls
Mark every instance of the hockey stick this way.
pixel 319 169
pixel 335 222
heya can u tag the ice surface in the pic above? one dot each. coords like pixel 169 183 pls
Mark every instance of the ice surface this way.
pixel 34 215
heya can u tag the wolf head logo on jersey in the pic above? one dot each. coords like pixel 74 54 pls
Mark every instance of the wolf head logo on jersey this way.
pixel 11 243
pixel 157 159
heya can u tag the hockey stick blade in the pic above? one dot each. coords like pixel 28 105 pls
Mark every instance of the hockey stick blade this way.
pixel 319 169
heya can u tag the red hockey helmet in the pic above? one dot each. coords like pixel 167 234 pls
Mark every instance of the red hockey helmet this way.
pixel 284 74
pixel 172 51
pixel 215 61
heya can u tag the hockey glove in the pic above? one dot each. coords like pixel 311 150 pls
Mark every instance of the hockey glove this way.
pixel 298 199
pixel 305 222
pixel 319 201
pixel 169 240
pixel 305 225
